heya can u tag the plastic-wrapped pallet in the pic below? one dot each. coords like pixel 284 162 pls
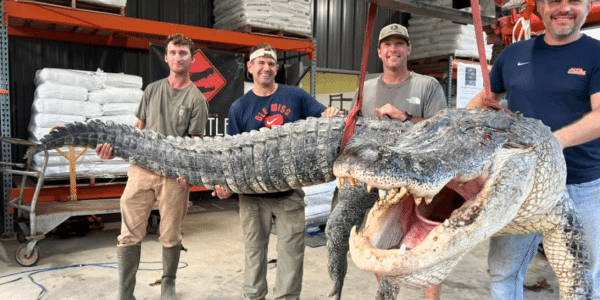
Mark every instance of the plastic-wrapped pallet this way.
pixel 90 95
pixel 318 203
pixel 114 3
pixel 431 37
pixel 287 15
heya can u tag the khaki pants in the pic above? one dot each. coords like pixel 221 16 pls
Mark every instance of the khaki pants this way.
pixel 143 189
pixel 257 215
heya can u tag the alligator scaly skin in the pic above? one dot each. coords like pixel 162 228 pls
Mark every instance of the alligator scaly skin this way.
pixel 449 183
pixel 283 158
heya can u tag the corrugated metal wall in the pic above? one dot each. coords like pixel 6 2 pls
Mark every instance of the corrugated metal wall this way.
pixel 339 31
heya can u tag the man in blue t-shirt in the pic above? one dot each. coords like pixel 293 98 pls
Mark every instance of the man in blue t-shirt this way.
pixel 555 78
pixel 270 104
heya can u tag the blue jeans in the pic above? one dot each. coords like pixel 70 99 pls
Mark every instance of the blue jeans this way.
pixel 509 256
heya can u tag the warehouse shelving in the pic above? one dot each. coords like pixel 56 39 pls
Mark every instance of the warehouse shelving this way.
pixel 34 19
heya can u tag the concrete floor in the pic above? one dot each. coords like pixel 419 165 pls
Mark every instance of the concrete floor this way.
pixel 84 267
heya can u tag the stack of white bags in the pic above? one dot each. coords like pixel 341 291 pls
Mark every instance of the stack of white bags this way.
pixel 65 96
pixel 114 3
pixel 431 37
pixel 287 15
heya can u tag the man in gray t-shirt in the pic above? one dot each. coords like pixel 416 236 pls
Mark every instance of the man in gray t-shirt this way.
pixel 399 93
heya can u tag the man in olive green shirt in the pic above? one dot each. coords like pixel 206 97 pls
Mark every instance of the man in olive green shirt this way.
pixel 171 106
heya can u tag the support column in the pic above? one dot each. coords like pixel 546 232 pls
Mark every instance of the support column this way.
pixel 5 123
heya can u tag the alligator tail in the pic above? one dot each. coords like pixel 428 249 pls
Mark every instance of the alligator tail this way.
pixel 284 158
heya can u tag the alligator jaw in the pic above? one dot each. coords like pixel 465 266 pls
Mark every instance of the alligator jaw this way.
pixel 400 228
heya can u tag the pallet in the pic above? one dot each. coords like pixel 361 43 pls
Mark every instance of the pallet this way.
pixel 81 5
pixel 83 179
pixel 443 59
pixel 274 32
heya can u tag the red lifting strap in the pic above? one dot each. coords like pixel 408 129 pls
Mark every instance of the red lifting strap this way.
pixel 482 58
pixel 481 47
pixel 351 120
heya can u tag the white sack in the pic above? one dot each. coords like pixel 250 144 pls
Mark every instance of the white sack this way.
pixel 114 109
pixel 67 107
pixel 51 90
pixel 65 77
pixel 116 95
pixel 51 120
pixel 119 80
pixel 120 119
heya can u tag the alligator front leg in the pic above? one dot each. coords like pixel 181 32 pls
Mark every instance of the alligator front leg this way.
pixel 387 290
pixel 352 205
pixel 567 253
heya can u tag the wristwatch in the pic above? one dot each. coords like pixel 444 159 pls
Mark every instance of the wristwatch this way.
pixel 408 116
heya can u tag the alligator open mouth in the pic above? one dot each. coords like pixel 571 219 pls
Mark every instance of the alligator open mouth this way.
pixel 399 224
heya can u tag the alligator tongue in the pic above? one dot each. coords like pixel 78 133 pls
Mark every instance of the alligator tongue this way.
pixel 419 230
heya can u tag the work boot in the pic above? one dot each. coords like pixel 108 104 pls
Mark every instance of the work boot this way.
pixel 170 258
pixel 128 258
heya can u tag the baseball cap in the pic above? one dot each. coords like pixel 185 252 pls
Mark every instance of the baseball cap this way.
pixel 394 29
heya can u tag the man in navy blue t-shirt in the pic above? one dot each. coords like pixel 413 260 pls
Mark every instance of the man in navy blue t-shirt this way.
pixel 270 104
pixel 555 78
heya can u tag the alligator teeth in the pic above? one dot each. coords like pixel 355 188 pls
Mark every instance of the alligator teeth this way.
pixel 402 192
pixel 428 200
pixel 369 188
pixel 418 200
pixel 392 193
pixel 382 194
pixel 341 182
pixel 402 250
pixel 352 182
pixel 440 229
pixel 447 223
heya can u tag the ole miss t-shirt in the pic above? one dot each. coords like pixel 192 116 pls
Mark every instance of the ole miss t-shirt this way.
pixel 287 104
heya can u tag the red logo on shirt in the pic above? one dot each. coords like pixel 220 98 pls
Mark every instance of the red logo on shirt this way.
pixel 577 71
pixel 274 120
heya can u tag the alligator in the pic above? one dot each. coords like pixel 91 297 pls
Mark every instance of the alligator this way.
pixel 446 185
pixel 479 172
pixel 286 157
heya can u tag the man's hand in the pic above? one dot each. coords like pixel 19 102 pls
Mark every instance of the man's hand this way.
pixel 104 151
pixel 390 111
pixel 330 112
pixel 221 192
pixel 184 182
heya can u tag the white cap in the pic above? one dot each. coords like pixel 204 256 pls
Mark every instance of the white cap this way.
pixel 263 52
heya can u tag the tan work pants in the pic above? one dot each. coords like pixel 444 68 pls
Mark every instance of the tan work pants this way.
pixel 143 189
pixel 257 215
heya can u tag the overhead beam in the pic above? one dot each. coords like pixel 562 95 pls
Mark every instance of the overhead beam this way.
pixel 132 32
pixel 424 9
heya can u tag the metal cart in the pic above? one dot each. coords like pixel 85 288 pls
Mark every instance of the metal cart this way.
pixel 36 218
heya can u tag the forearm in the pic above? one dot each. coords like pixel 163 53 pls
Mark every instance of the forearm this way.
pixel 580 132
pixel 480 101
pixel 477 101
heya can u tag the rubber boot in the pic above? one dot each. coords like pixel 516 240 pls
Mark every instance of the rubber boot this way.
pixel 170 265
pixel 128 258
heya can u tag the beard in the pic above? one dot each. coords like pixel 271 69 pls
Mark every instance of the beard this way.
pixel 564 32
